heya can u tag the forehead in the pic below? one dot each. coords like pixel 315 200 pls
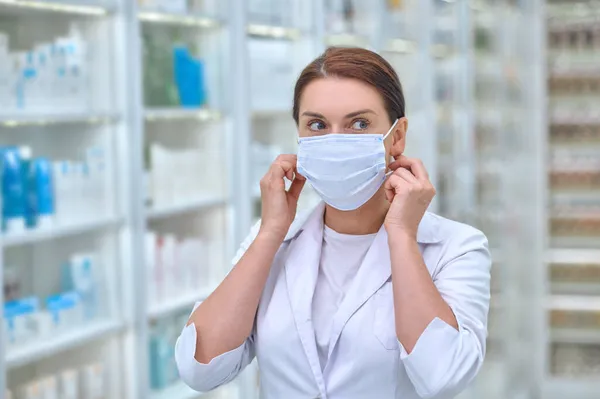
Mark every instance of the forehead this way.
pixel 335 97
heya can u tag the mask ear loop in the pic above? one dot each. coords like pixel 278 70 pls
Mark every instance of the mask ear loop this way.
pixel 385 137
pixel 391 130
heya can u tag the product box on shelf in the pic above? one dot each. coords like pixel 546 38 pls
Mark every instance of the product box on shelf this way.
pixel 179 267
pixel 161 347
pixel 174 178
pixel 38 193
pixel 25 320
pixel 52 77
pixel 93 381
pixel 173 76
pixel 87 382
pixel 575 361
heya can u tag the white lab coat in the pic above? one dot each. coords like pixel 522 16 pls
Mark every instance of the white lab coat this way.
pixel 366 360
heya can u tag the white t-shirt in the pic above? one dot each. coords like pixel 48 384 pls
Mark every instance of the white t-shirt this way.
pixel 341 257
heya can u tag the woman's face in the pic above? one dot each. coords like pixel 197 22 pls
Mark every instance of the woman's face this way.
pixel 342 105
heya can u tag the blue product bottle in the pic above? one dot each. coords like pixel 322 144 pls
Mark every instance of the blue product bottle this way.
pixel 13 202
pixel 159 359
pixel 43 184
pixel 29 193
pixel 187 78
pixel 180 54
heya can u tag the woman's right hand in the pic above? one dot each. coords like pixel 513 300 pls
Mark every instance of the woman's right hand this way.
pixel 278 205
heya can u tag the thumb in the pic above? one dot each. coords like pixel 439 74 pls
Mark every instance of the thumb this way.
pixel 296 188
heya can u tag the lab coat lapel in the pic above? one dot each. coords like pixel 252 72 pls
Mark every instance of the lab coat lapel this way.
pixel 372 274
pixel 301 271
pixel 375 271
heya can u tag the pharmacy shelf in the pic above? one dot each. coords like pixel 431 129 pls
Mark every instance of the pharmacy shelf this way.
pixel 185 207
pixel 64 7
pixel 166 114
pixel 577 336
pixel 573 256
pixel 273 32
pixel 177 391
pixel 400 46
pixel 74 229
pixel 175 305
pixel 47 347
pixel 560 388
pixel 575 288
pixel 346 40
pixel 574 303
pixel 165 18
pixel 58 119
pixel 583 119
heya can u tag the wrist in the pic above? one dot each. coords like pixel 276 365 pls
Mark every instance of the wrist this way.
pixel 270 236
pixel 398 234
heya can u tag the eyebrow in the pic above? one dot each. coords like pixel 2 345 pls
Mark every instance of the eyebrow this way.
pixel 350 115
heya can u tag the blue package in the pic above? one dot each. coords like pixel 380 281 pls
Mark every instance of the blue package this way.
pixel 189 78
pixel 13 201
pixel 18 308
pixel 57 304
pixel 44 187
pixel 29 192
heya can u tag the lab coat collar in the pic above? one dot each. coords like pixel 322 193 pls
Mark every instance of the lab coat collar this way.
pixel 426 234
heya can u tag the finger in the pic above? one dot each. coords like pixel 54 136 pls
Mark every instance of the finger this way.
pixel 389 192
pixel 394 165
pixel 293 158
pixel 290 161
pixel 416 167
pixel 391 183
pixel 296 188
pixel 406 175
pixel 281 168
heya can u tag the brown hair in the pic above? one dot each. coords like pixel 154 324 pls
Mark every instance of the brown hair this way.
pixel 355 63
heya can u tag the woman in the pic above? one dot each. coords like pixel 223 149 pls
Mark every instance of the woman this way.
pixel 368 295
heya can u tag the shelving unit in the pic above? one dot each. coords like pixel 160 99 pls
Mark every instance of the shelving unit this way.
pixel 49 346
pixel 68 124
pixel 568 153
pixel 61 231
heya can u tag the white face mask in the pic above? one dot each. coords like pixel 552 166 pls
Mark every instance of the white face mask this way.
pixel 346 170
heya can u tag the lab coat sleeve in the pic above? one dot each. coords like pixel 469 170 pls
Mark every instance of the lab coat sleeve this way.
pixel 219 371
pixel 444 361
pixel 223 368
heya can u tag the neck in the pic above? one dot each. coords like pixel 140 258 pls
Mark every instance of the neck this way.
pixel 367 219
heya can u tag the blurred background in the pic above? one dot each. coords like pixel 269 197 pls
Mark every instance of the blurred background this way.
pixel 133 136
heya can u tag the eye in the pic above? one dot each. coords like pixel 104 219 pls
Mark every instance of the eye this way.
pixel 360 124
pixel 316 125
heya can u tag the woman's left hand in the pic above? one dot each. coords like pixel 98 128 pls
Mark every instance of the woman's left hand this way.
pixel 410 192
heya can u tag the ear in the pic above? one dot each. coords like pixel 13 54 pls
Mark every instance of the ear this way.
pixel 399 138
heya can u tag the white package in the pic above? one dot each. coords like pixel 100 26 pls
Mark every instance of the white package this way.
pixel 69 388
pixel 49 388
pixel 93 381
pixel 151 266
pixel 44 324
pixel 169 263
pixel 31 391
